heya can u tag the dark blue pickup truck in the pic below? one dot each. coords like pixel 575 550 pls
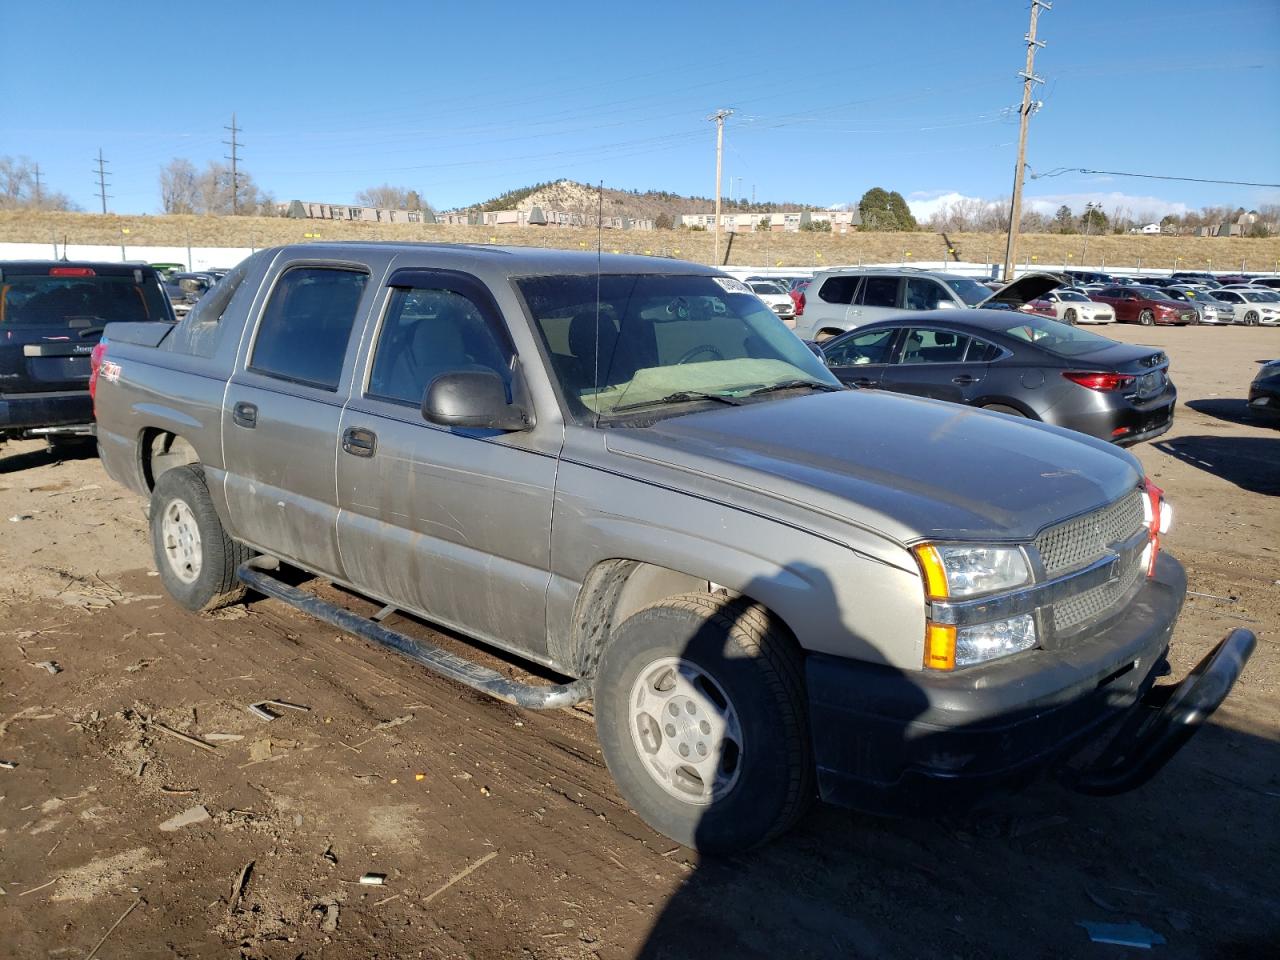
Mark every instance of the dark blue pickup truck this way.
pixel 51 316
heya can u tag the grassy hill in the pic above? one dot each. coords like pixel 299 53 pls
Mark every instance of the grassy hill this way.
pixel 792 249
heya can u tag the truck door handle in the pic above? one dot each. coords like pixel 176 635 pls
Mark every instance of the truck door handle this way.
pixel 245 414
pixel 964 379
pixel 359 442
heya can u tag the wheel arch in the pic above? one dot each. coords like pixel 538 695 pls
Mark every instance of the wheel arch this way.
pixel 160 450
pixel 614 589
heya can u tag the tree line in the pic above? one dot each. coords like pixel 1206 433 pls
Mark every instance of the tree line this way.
pixel 21 189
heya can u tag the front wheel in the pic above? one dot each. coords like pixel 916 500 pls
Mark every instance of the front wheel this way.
pixel 196 559
pixel 1146 318
pixel 1251 318
pixel 1070 316
pixel 702 719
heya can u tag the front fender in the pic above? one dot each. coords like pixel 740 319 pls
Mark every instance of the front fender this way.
pixel 834 599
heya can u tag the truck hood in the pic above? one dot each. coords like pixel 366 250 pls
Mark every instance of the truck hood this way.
pixel 906 467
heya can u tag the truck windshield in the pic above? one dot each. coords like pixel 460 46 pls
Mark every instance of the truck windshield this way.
pixel 79 301
pixel 650 341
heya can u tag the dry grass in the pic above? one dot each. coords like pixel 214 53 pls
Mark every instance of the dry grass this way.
pixel 795 249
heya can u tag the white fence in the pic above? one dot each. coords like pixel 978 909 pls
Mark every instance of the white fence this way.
pixel 195 258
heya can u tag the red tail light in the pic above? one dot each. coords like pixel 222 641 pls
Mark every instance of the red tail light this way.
pixel 800 304
pixel 95 364
pixel 71 272
pixel 1099 381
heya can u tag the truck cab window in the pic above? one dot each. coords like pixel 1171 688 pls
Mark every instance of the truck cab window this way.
pixel 427 333
pixel 304 329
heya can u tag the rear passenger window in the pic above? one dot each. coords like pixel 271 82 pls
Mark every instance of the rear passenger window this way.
pixel 304 329
pixel 428 332
pixel 924 294
pixel 933 346
pixel 838 289
pixel 981 352
pixel 879 292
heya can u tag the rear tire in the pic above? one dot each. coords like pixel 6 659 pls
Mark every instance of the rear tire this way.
pixel 1146 318
pixel 822 336
pixel 703 722
pixel 196 559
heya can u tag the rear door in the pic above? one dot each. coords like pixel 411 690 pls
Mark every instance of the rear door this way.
pixel 859 359
pixel 878 299
pixel 51 317
pixel 933 362
pixel 282 410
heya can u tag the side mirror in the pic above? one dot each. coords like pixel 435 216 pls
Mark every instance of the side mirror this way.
pixel 475 399
pixel 945 305
pixel 816 349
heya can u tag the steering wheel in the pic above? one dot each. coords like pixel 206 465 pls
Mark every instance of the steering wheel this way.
pixel 701 348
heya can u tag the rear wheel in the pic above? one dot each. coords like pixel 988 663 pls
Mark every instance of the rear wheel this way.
pixel 1146 318
pixel 196 559
pixel 1003 408
pixel 824 335
pixel 1251 318
pixel 702 719
pixel 1070 316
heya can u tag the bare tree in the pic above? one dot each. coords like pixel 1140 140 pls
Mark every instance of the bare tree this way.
pixel 179 187
pixel 387 197
pixel 19 190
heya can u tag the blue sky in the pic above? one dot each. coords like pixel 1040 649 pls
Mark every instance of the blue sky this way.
pixel 464 100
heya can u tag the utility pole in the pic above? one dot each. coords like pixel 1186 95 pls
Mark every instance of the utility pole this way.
pixel 235 160
pixel 102 180
pixel 1029 80
pixel 38 204
pixel 719 117
pixel 1088 222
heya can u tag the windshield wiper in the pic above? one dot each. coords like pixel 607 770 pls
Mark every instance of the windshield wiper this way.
pixel 681 396
pixel 793 385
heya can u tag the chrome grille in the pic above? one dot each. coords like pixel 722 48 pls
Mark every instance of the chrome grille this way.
pixel 1093 603
pixel 1082 540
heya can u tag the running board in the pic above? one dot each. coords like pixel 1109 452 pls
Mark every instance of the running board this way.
pixel 531 696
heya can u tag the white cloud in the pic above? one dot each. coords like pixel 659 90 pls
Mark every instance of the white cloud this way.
pixel 1135 204
pixel 924 204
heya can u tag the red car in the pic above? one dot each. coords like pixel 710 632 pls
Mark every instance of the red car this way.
pixel 1145 305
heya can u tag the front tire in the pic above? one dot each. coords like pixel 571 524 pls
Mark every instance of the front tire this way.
pixel 1070 316
pixel 196 559
pixel 1146 318
pixel 702 719
pixel 1251 318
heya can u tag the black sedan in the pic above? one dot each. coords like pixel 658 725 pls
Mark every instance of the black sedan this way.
pixel 1017 364
pixel 1264 392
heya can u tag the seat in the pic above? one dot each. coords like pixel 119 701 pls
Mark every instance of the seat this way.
pixel 591 349
pixel 436 347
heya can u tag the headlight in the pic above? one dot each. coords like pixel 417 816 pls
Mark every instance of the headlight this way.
pixel 955 570
pixel 986 641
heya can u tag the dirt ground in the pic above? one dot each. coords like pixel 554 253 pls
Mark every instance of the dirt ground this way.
pixel 500 833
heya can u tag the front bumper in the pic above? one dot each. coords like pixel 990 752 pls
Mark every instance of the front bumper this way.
pixel 901 742
pixel 63 411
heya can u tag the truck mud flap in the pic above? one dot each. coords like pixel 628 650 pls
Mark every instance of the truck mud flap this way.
pixel 1163 721
pixel 531 696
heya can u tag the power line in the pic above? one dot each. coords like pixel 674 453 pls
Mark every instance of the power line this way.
pixel 102 180
pixel 1059 171
pixel 234 158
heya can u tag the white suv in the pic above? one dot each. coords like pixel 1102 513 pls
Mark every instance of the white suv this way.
pixel 846 297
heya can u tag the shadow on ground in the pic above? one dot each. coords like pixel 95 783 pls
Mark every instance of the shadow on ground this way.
pixel 44 456
pixel 1251 463
pixel 1232 411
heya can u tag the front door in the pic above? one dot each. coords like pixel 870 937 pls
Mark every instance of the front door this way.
pixel 452 524
pixel 281 415
pixel 859 359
